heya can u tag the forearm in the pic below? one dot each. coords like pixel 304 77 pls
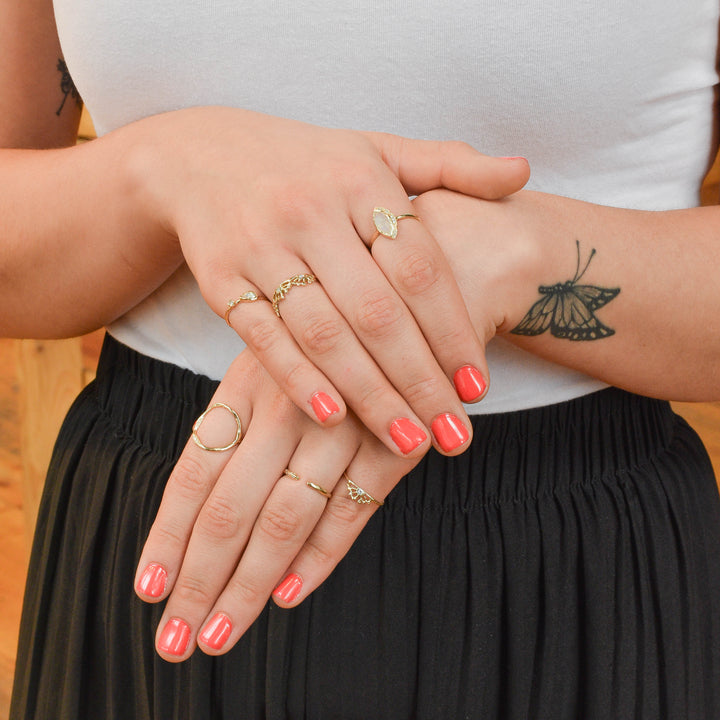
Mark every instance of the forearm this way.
pixel 665 318
pixel 77 248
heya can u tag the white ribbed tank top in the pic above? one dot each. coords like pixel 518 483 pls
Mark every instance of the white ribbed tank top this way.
pixel 610 102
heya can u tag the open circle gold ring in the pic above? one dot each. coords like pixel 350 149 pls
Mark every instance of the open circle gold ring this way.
pixel 198 423
pixel 284 288
pixel 249 296
pixel 314 486
pixel 386 223
pixel 358 494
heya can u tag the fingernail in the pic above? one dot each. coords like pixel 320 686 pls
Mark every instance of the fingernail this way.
pixel 517 157
pixel 217 631
pixel 323 405
pixel 469 383
pixel 406 435
pixel 289 588
pixel 175 637
pixel 449 431
pixel 152 582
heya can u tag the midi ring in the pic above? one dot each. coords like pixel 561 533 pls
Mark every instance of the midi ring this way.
pixel 198 422
pixel 386 223
pixel 249 296
pixel 358 494
pixel 317 488
pixel 284 288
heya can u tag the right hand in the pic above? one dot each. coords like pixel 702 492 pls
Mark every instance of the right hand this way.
pixel 255 200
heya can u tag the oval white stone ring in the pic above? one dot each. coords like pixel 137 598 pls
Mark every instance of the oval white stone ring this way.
pixel 386 223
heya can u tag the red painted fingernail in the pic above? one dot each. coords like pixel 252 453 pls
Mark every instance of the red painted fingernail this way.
pixel 289 588
pixel 469 383
pixel 449 431
pixel 175 637
pixel 217 631
pixel 152 582
pixel 323 405
pixel 406 435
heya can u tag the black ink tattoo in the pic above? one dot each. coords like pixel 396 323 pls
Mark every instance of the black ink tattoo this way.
pixel 567 309
pixel 67 86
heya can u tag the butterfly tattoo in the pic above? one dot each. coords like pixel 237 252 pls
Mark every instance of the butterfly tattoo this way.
pixel 568 309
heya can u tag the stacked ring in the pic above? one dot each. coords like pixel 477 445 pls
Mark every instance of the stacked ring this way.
pixel 358 494
pixel 314 486
pixel 284 288
pixel 249 296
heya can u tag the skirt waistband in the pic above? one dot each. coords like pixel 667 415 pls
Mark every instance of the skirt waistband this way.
pixel 513 455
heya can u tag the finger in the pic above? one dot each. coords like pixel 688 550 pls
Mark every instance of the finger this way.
pixel 371 474
pixel 187 489
pixel 286 519
pixel 406 353
pixel 224 523
pixel 423 165
pixel 251 315
pixel 419 271
pixel 327 339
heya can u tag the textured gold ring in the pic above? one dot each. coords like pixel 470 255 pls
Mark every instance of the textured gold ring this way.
pixel 284 288
pixel 198 422
pixel 318 488
pixel 249 296
pixel 386 223
pixel 358 494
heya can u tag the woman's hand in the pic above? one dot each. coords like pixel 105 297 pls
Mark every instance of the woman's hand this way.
pixel 232 527
pixel 257 200
pixel 626 296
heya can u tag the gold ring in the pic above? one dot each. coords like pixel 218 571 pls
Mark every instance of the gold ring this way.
pixel 284 288
pixel 358 494
pixel 249 296
pixel 319 489
pixel 198 422
pixel 386 223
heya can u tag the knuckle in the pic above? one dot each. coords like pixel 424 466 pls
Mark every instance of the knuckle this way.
pixel 247 591
pixel 192 591
pixel 343 512
pixel 321 335
pixel 423 390
pixel 318 554
pixel 167 536
pixel 378 314
pixel 188 478
pixel 262 335
pixel 417 273
pixel 219 518
pixel 370 399
pixel 280 524
pixel 296 376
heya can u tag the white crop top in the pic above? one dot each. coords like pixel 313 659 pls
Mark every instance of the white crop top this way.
pixel 611 103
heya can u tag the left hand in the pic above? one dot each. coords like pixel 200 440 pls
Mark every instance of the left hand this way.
pixel 232 527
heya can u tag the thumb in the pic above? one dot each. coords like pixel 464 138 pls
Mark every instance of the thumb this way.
pixel 423 165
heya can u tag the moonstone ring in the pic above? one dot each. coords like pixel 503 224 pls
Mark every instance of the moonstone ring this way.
pixel 386 223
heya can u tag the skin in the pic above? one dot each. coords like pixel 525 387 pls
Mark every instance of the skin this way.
pixel 157 215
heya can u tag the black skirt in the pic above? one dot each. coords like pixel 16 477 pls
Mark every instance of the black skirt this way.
pixel 566 566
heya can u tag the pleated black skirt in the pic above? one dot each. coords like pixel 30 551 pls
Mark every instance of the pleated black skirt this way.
pixel 567 566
